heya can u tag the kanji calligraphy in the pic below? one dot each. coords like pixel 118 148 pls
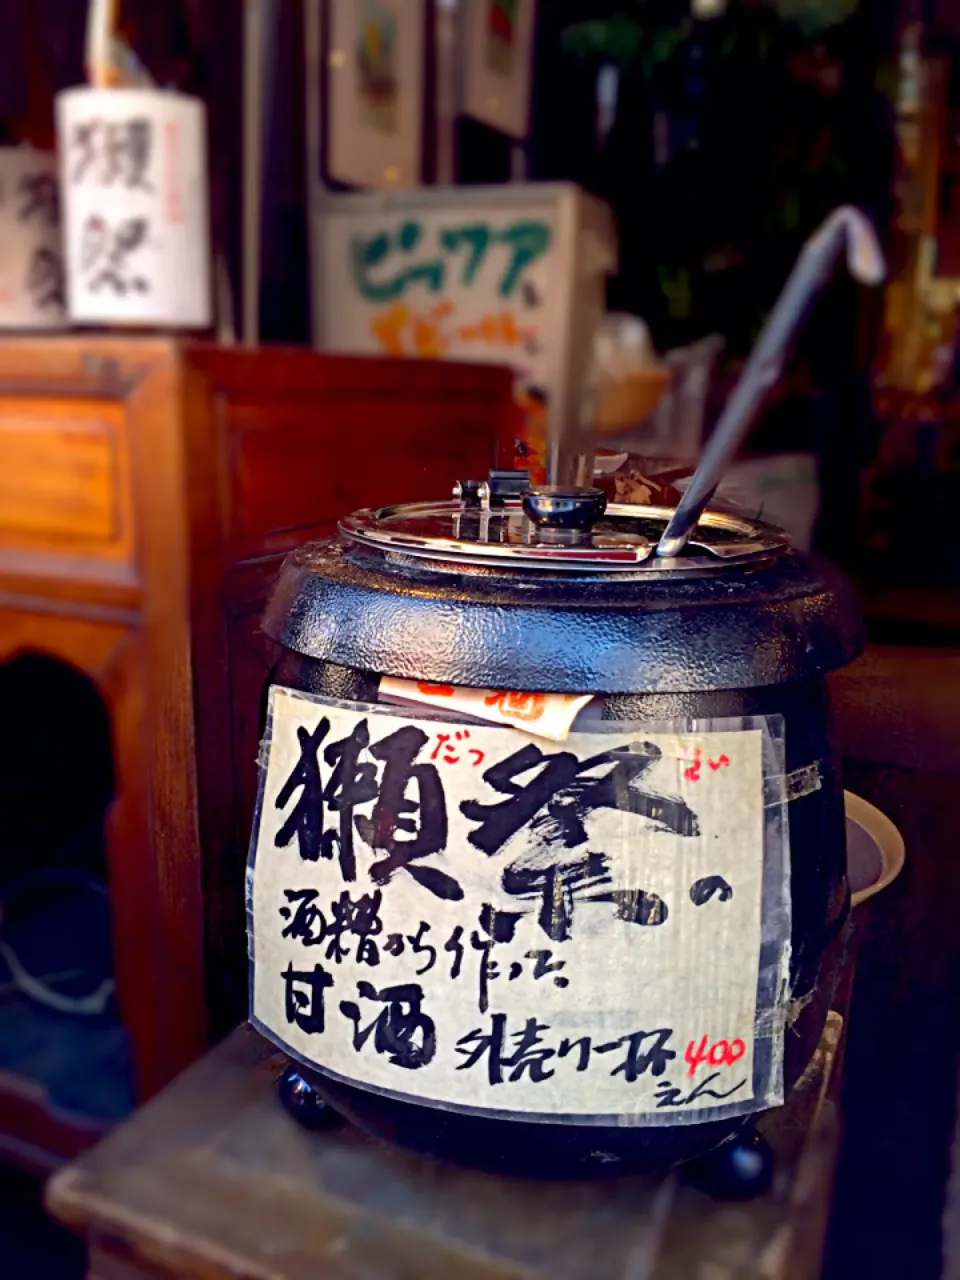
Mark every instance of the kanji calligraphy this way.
pixel 135 206
pixel 465 914
pixel 31 265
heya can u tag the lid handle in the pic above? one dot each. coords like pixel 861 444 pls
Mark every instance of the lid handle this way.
pixel 558 509
pixel 494 491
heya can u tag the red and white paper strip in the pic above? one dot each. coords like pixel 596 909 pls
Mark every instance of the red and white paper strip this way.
pixel 544 715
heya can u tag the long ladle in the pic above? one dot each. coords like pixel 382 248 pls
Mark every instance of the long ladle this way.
pixel 865 262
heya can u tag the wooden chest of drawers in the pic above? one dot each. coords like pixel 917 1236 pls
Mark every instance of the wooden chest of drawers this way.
pixel 148 492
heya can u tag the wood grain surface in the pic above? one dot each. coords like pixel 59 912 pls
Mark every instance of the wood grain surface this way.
pixel 212 1180
pixel 149 490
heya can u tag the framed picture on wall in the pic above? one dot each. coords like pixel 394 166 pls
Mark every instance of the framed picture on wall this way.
pixel 498 57
pixel 375 87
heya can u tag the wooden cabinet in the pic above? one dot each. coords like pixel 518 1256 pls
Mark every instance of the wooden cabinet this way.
pixel 148 492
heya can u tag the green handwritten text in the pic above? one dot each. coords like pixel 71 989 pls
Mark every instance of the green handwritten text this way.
pixel 387 264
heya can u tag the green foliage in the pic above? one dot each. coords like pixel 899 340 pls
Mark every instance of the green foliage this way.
pixel 814 16
pixel 508 8
pixel 676 286
pixel 644 31
pixel 649 31
pixel 803 158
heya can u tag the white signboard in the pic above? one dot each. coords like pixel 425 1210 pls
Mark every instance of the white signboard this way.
pixel 469 284
pixel 31 266
pixel 461 914
pixel 134 183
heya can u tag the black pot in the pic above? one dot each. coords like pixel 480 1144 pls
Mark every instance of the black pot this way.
pixel 550 595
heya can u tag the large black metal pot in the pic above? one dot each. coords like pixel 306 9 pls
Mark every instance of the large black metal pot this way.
pixel 550 595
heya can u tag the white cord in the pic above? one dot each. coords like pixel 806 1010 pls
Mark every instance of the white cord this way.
pixel 84 1006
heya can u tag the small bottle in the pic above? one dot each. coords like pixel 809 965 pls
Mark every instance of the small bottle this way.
pixel 134 176
pixel 31 267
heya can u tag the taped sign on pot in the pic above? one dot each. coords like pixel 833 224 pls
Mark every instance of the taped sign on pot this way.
pixel 467 917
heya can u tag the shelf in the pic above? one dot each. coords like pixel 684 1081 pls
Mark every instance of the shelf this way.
pixel 923 607
pixel 64 1082
pixel 36 1135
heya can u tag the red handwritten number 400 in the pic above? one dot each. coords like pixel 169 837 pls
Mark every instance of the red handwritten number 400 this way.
pixel 722 1053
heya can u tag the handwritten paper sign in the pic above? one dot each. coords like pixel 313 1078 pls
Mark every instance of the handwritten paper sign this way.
pixel 133 170
pixel 31 266
pixel 544 715
pixel 465 916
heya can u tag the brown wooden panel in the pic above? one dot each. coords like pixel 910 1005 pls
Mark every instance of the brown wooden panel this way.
pixel 109 1259
pixel 34 1133
pixel 252 656
pixel 297 467
pixel 58 472
pixel 227 693
pixel 109 651
pixel 145 470
pixel 66 509
pixel 948 219
pixel 280 372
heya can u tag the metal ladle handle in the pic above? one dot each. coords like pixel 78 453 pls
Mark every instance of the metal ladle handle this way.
pixel 866 264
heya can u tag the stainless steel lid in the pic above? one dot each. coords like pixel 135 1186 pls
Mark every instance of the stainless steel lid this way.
pixel 506 522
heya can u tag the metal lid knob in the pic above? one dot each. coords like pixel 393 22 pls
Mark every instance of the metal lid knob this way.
pixel 555 508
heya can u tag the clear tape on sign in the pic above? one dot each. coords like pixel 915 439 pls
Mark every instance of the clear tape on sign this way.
pixel 804 781
pixel 460 915
pixel 794 785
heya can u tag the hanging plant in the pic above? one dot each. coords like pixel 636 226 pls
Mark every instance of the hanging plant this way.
pixel 650 31
pixel 647 32
pixel 815 16
pixel 707 259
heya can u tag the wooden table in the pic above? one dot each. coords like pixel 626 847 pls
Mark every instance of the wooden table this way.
pixel 213 1181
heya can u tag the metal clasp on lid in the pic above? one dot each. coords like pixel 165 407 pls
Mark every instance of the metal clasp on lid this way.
pixel 494 491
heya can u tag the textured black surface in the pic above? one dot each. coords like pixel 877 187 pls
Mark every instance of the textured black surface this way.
pixel 582 633
pixel 726 643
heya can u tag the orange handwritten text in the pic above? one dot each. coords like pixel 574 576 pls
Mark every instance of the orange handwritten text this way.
pixel 498 329
pixel 517 706
pixel 400 331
